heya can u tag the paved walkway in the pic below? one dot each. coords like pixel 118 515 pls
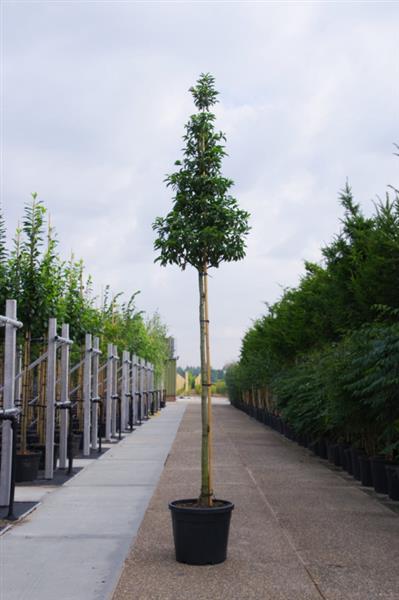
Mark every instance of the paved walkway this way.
pixel 72 547
pixel 299 531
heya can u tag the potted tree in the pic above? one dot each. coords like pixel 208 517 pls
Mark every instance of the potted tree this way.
pixel 204 228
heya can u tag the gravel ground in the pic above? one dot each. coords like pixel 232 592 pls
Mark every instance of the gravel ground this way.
pixel 299 530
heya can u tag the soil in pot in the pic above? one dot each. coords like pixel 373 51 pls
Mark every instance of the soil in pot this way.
pixel 393 481
pixel 365 470
pixel 27 466
pixel 201 533
pixel 379 474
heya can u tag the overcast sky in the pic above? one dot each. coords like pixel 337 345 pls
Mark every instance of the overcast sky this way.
pixel 95 98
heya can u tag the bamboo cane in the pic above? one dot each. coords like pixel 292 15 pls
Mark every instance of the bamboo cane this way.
pixel 208 365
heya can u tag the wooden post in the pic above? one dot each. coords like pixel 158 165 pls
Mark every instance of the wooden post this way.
pixel 87 394
pixel 50 398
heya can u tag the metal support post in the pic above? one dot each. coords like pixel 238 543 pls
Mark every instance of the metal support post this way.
pixel 141 388
pixel 108 398
pixel 125 389
pixel 133 398
pixel 11 325
pixel 144 389
pixel 10 415
pixel 153 405
pixel 87 394
pixel 114 417
pixel 95 397
pixel 50 398
pixel 64 414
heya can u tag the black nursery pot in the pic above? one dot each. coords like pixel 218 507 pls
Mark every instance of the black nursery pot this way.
pixel 379 474
pixel 342 455
pixel 393 481
pixel 365 470
pixel 41 448
pixel 201 533
pixel 355 462
pixel 348 456
pixel 27 467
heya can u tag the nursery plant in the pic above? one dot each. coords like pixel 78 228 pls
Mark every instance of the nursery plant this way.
pixel 204 228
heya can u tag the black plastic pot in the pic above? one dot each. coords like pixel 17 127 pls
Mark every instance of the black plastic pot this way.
pixel 379 474
pixel 333 454
pixel 27 467
pixel 355 462
pixel 348 461
pixel 200 533
pixel 365 470
pixel 41 448
pixel 392 472
pixel 342 455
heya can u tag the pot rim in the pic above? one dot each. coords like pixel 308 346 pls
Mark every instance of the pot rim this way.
pixel 227 506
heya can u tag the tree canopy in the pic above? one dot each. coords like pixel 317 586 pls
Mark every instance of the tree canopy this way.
pixel 205 226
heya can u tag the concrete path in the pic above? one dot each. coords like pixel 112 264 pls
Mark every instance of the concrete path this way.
pixel 72 547
pixel 299 531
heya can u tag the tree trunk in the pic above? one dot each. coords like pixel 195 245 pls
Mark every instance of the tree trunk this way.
pixel 205 497
pixel 209 389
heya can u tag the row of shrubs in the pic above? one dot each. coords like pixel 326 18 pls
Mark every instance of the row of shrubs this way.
pixel 328 349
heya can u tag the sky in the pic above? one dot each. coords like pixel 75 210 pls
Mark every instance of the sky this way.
pixel 94 102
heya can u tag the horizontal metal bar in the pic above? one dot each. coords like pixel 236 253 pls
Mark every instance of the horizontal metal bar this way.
pixel 8 321
pixel 63 404
pixel 96 398
pixel 95 351
pixel 61 340
pixel 12 412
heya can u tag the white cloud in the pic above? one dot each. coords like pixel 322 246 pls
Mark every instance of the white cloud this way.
pixel 95 101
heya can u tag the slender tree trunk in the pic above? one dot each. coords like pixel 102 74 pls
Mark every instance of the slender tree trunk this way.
pixel 205 491
pixel 209 383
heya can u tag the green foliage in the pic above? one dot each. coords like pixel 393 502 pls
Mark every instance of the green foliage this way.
pixel 45 286
pixel 329 348
pixel 205 226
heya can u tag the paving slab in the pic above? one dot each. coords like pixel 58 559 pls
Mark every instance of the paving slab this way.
pixel 299 530
pixel 72 547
